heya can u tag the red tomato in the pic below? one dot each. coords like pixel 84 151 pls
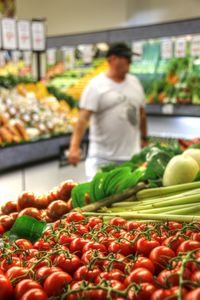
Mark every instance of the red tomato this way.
pixel 122 247
pixel 114 274
pixel 9 262
pixel 188 245
pixel 193 295
pixel 6 221
pixel 43 272
pixel 94 246
pixel 160 294
pixel 145 291
pixel 139 275
pixel 26 199
pixel 119 262
pixel 141 262
pixel 31 211
pixel 9 207
pixel 2 229
pixel 56 209
pixel 93 221
pixel 174 225
pixel 195 236
pixel 84 273
pixel 35 294
pixel 75 285
pixel 75 217
pixel 118 221
pixel 6 289
pixel 65 189
pixel 24 286
pixel 173 242
pixel 130 225
pixel 61 279
pixel 28 254
pixel 66 239
pixel 145 246
pixel 196 276
pixel 15 272
pixel 23 244
pixel 42 245
pixel 160 257
pixel 92 255
pixel 80 229
pixel 68 263
pixel 100 294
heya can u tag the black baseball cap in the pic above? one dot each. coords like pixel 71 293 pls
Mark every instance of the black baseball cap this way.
pixel 121 50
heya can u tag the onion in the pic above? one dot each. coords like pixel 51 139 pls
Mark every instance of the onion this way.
pixel 180 169
pixel 194 153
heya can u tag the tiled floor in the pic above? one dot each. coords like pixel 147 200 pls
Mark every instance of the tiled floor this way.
pixel 39 179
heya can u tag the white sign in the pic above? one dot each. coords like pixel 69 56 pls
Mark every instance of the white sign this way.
pixel 38 36
pixel 195 45
pixel 166 48
pixel 51 56
pixel 69 58
pixel 2 58
pixel 27 58
pixel 9 36
pixel 180 47
pixel 137 48
pixel 168 109
pixel 24 35
pixel 87 53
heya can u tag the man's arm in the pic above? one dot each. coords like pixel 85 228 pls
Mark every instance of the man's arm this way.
pixel 143 126
pixel 74 154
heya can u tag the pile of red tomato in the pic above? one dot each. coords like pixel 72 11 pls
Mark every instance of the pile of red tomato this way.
pixel 85 258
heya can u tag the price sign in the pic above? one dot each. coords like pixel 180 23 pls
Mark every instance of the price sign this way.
pixel 69 58
pixel 38 36
pixel 137 48
pixel 9 36
pixel 27 58
pixel 168 109
pixel 195 45
pixel 180 47
pixel 87 53
pixel 166 49
pixel 24 35
pixel 51 56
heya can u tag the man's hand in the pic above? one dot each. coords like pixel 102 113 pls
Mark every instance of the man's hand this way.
pixel 74 155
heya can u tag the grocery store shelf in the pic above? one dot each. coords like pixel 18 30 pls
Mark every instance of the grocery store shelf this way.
pixel 21 155
pixel 173 110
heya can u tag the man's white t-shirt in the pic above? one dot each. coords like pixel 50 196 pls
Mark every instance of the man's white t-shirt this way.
pixel 115 124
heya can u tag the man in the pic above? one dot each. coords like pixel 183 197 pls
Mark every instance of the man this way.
pixel 114 103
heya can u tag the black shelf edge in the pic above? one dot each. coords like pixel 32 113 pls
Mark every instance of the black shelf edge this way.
pixel 173 110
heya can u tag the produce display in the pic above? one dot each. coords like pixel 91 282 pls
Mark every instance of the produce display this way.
pixel 38 112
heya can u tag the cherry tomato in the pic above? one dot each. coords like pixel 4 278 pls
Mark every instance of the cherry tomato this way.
pixel 141 262
pixel 160 294
pixel 93 255
pixel 139 275
pixel 6 289
pixel 188 245
pixel 193 295
pixel 68 263
pixel 114 274
pixel 100 294
pixel 160 257
pixel 75 217
pixel 15 272
pixel 145 246
pixel 25 285
pixel 118 221
pixel 84 273
pixel 23 244
pixel 173 242
pixel 122 247
pixel 94 246
pixel 93 221
pixel 61 279
pixel 42 245
pixel 35 294
pixel 145 291
pixel 10 262
pixel 130 225
pixel 174 225
pixel 66 239
pixel 43 272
